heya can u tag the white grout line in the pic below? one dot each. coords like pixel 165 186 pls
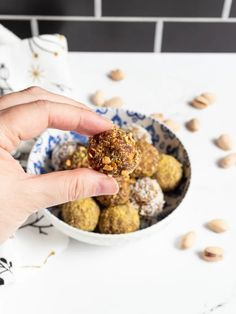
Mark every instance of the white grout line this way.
pixel 158 36
pixel 226 9
pixel 119 19
pixel 34 27
pixel 98 8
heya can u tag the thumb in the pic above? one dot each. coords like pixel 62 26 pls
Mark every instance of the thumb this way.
pixel 60 187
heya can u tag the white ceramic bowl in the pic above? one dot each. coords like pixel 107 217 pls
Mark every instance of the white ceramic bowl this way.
pixel 40 162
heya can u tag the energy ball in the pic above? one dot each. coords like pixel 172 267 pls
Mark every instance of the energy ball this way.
pixel 79 159
pixel 113 152
pixel 169 172
pixel 149 160
pixel 83 214
pixel 61 152
pixel 139 132
pixel 121 197
pixel 147 197
pixel 119 219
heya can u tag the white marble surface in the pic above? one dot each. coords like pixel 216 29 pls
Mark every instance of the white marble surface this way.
pixel 153 276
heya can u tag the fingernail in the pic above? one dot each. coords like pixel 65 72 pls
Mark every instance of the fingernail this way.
pixel 106 119
pixel 107 186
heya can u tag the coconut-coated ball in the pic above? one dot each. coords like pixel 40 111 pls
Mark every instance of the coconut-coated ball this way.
pixel 61 152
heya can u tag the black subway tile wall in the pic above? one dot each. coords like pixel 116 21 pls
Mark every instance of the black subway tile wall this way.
pixel 47 7
pixel 104 36
pixel 199 37
pixel 128 25
pixel 20 28
pixel 187 8
pixel 233 9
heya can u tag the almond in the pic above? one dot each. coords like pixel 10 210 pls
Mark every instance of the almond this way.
pixel 203 101
pixel 98 98
pixel 193 125
pixel 114 102
pixel 213 254
pixel 225 142
pixel 200 102
pixel 210 97
pixel 228 161
pixel 117 75
pixel 188 240
pixel 218 225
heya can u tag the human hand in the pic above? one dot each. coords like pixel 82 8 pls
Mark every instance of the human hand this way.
pixel 24 115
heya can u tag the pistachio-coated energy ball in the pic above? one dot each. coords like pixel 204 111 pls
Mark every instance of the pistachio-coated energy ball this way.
pixel 79 159
pixel 119 219
pixel 169 172
pixel 82 214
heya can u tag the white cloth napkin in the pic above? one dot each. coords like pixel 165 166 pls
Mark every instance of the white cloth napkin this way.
pixel 40 61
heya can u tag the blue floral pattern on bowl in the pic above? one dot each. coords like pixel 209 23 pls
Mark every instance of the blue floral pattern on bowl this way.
pixel 164 140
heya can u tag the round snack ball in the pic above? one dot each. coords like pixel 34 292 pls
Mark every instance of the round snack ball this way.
pixel 147 197
pixel 113 152
pixel 79 159
pixel 61 152
pixel 82 214
pixel 121 197
pixel 119 219
pixel 149 160
pixel 139 132
pixel 169 172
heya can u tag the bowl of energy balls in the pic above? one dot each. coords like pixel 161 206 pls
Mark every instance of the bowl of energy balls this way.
pixel 146 158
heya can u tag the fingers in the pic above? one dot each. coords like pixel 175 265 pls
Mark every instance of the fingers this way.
pixel 64 186
pixel 35 93
pixel 5 156
pixel 37 192
pixel 25 121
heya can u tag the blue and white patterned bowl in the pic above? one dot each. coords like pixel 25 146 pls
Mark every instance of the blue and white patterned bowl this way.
pixel 40 162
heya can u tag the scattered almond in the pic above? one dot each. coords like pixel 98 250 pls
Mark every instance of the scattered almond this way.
pixel 114 102
pixel 188 240
pixel 98 98
pixel 210 97
pixel 228 161
pixel 173 125
pixel 213 254
pixel 218 225
pixel 200 102
pixel 158 116
pixel 117 75
pixel 225 142
pixel 203 101
pixel 193 125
